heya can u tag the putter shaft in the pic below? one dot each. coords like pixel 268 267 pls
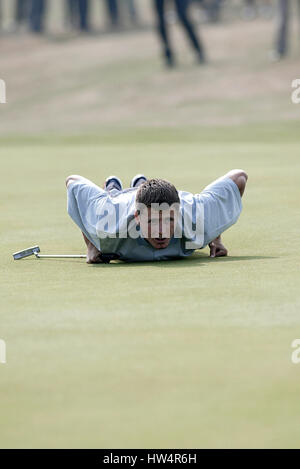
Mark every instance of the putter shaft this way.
pixel 35 250
pixel 61 256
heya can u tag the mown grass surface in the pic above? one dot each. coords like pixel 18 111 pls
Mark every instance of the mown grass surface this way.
pixel 191 353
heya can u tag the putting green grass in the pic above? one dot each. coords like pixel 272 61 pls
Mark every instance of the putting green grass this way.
pixel 190 353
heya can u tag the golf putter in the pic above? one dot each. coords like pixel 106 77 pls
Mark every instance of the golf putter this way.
pixel 35 250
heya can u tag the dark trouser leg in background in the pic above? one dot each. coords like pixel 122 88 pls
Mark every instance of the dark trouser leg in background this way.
pixel 132 11
pixel 83 6
pixel 282 35
pixel 113 11
pixel 182 11
pixel 71 16
pixel 37 14
pixel 21 11
pixel 159 6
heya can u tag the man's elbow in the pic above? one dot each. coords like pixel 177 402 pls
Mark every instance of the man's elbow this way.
pixel 240 177
pixel 72 178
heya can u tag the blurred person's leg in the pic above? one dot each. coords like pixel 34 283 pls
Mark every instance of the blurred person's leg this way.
pixel 21 11
pixel 214 10
pixel 113 11
pixel 19 8
pixel 182 11
pixel 71 13
pixel 132 11
pixel 282 34
pixel 250 3
pixel 37 15
pixel 298 5
pixel 159 6
pixel 83 7
pixel 250 9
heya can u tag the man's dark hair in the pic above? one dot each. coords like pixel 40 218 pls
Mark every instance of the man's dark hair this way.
pixel 157 191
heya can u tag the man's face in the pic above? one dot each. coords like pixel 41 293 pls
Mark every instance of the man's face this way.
pixel 158 226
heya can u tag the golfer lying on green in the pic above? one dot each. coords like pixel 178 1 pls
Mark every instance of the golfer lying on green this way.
pixel 152 220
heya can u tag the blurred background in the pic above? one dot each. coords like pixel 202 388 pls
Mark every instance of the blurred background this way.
pixel 79 66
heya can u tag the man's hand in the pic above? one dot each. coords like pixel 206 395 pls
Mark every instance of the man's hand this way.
pixel 93 255
pixel 217 249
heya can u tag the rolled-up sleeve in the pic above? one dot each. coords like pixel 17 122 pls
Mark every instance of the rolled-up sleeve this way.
pixel 83 197
pixel 222 207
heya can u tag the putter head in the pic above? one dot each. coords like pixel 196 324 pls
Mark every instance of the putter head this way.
pixel 26 252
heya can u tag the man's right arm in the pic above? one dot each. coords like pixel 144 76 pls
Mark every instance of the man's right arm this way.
pixel 93 255
pixel 78 204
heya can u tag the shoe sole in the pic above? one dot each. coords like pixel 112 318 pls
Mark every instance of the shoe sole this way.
pixel 136 179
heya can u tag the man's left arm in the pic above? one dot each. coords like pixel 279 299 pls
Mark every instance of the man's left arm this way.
pixel 217 248
pixel 240 177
